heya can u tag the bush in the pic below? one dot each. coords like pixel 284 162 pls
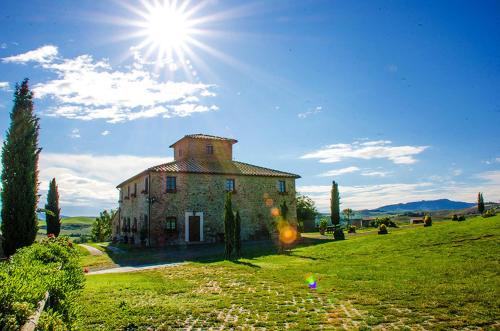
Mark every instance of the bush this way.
pixel 323 223
pixel 338 234
pixel 461 218
pixel 427 220
pixel 382 229
pixel 383 220
pixel 51 265
pixel 454 217
pixel 489 213
pixel 351 229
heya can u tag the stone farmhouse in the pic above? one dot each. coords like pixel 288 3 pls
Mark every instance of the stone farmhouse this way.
pixel 183 201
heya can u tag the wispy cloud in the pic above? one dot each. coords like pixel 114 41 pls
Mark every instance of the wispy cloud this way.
pixel 373 196
pixel 88 89
pixel 87 182
pixel 4 86
pixel 375 173
pixel 44 54
pixel 316 110
pixel 338 172
pixel 75 134
pixel 105 133
pixel 380 149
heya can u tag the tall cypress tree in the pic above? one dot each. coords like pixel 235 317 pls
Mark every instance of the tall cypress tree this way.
pixel 20 153
pixel 54 220
pixel 237 235
pixel 480 203
pixel 335 204
pixel 228 227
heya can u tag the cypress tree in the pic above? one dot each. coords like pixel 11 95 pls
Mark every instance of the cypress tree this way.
pixel 480 203
pixel 335 204
pixel 237 235
pixel 20 153
pixel 228 227
pixel 54 220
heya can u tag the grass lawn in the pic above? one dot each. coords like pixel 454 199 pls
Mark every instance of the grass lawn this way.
pixel 441 277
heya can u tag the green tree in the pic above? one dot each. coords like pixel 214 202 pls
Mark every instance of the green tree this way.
pixel 228 227
pixel 101 228
pixel 335 204
pixel 284 211
pixel 19 178
pixel 306 209
pixel 480 203
pixel 237 235
pixel 53 218
pixel 348 212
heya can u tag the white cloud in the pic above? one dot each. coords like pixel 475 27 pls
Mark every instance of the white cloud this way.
pixel 373 196
pixel 105 133
pixel 87 182
pixel 375 173
pixel 3 45
pixel 75 134
pixel 88 89
pixel 367 150
pixel 338 172
pixel 313 111
pixel 44 54
pixel 4 86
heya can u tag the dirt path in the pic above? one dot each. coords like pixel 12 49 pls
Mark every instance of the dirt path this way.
pixel 92 250
pixel 135 268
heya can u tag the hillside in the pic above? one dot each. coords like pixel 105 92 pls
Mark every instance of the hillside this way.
pixel 76 227
pixel 425 205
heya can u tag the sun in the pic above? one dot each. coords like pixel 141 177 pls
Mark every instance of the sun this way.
pixel 167 27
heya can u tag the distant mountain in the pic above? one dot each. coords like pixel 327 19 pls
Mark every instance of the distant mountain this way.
pixel 440 204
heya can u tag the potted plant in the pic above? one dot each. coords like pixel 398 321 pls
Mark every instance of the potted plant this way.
pixel 322 226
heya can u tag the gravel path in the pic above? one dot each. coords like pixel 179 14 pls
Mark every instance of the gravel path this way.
pixel 92 250
pixel 134 268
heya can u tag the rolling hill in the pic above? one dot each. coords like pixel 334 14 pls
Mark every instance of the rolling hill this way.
pixel 425 205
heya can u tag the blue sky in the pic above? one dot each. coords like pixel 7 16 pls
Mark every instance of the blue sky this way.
pixel 396 100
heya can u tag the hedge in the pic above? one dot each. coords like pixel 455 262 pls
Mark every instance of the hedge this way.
pixel 51 265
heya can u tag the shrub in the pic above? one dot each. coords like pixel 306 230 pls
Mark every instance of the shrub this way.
pixel 427 220
pixel 338 234
pixel 454 217
pixel 383 220
pixel 351 229
pixel 489 213
pixel 461 218
pixel 382 229
pixel 323 223
pixel 51 265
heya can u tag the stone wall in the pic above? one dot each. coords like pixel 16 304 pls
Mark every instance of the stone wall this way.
pixel 197 149
pixel 254 198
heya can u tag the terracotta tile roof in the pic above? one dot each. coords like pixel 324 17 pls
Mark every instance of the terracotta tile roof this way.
pixel 219 167
pixel 205 136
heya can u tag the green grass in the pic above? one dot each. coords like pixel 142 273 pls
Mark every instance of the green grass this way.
pixel 441 277
pixel 73 227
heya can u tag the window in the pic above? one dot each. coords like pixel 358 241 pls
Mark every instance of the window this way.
pixel 230 185
pixel 171 184
pixel 146 185
pixel 210 149
pixel 171 224
pixel 281 186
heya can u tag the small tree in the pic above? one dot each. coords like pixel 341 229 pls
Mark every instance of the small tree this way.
pixel 228 227
pixel 53 219
pixel 101 228
pixel 306 212
pixel 19 177
pixel 480 203
pixel 237 235
pixel 348 213
pixel 427 220
pixel 335 204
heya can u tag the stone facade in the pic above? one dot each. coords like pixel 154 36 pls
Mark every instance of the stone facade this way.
pixel 165 215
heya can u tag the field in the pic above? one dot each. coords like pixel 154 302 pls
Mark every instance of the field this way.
pixel 441 277
pixel 73 227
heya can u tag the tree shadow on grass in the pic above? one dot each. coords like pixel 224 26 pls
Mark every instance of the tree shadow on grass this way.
pixel 205 253
pixel 248 264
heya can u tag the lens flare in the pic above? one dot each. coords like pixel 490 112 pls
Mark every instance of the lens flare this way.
pixel 311 282
pixel 275 212
pixel 287 233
